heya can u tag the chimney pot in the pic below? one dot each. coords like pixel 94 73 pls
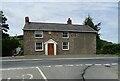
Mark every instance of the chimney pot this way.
pixel 69 21
pixel 26 20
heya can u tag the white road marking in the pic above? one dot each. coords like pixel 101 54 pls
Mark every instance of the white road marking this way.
pixel 8 79
pixel 58 65
pixel 107 64
pixel 114 63
pixel 18 68
pixel 98 64
pixel 47 66
pixel 31 76
pixel 88 64
pixel 22 60
pixel 23 77
pixel 69 65
pixel 79 65
pixel 44 77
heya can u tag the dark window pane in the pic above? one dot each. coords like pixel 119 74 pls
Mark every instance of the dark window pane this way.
pixel 38 33
pixel 38 46
pixel 65 45
pixel 65 34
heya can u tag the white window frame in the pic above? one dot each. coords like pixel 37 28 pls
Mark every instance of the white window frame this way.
pixel 38 32
pixel 67 35
pixel 39 49
pixel 62 46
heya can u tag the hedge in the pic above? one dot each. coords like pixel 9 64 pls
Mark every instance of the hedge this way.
pixel 111 49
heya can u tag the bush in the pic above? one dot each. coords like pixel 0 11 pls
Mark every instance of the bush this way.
pixel 111 49
pixel 8 46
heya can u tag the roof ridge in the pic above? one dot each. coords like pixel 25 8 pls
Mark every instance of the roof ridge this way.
pixel 56 23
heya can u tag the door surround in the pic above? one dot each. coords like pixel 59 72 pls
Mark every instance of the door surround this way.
pixel 46 46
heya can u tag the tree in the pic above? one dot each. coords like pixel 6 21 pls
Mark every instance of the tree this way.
pixel 8 44
pixel 3 26
pixel 89 22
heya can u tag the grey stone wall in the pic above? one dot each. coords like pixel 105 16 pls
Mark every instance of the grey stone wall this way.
pixel 80 43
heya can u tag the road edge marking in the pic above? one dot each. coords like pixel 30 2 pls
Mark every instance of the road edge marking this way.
pixel 43 75
pixel 18 68
pixel 21 60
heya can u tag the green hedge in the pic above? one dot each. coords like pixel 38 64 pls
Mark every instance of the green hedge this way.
pixel 111 49
pixel 8 46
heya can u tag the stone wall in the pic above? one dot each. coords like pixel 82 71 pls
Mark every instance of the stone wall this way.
pixel 80 43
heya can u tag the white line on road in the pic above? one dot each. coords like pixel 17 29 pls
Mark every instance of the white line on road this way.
pixel 79 65
pixel 107 64
pixel 98 64
pixel 44 77
pixel 18 68
pixel 58 65
pixel 114 63
pixel 69 65
pixel 88 64
pixel 22 60
pixel 31 76
pixel 8 79
pixel 47 66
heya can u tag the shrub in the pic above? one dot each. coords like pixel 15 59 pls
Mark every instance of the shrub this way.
pixel 8 46
pixel 111 49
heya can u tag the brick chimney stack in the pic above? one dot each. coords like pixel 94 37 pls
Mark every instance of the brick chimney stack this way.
pixel 26 20
pixel 69 21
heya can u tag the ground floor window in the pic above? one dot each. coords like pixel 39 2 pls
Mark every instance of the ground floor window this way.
pixel 65 45
pixel 38 46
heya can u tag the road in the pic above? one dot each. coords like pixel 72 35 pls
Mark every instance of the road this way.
pixel 62 68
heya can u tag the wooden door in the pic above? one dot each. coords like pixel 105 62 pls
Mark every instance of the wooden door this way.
pixel 50 49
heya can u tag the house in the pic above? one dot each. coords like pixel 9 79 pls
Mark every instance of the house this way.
pixel 58 39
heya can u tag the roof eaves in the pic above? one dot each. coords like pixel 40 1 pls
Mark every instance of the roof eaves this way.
pixel 59 30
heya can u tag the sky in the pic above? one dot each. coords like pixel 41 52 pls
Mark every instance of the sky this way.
pixel 52 11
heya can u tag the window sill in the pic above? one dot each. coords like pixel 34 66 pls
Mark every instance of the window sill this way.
pixel 39 50
pixel 38 37
pixel 65 37
pixel 65 49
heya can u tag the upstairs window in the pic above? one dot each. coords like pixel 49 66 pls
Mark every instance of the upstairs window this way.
pixel 38 46
pixel 65 45
pixel 65 34
pixel 38 34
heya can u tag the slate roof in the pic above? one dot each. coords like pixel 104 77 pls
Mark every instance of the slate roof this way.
pixel 57 27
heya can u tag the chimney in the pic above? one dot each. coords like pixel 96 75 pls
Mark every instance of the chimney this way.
pixel 26 20
pixel 69 21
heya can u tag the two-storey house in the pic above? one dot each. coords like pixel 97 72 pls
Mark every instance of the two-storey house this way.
pixel 58 39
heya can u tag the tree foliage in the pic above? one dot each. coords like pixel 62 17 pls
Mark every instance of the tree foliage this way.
pixel 3 20
pixel 4 26
pixel 89 22
pixel 111 49
pixel 8 44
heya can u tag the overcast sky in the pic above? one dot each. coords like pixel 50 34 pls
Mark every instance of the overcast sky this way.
pixel 58 12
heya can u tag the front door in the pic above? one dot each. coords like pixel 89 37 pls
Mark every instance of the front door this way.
pixel 50 49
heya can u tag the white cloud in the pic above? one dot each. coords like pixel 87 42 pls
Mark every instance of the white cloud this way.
pixel 60 0
pixel 59 12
